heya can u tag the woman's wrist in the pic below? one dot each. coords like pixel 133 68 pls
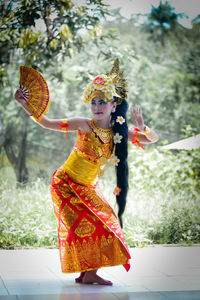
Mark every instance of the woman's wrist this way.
pixel 150 134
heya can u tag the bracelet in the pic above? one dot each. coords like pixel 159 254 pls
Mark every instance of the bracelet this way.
pixel 136 138
pixel 147 130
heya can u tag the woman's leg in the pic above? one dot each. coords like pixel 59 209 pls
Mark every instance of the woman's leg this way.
pixel 91 277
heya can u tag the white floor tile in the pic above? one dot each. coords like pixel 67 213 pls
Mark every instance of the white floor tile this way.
pixel 186 295
pixel 2 286
pixel 3 292
pixel 42 291
pixel 8 297
pixel 162 284
pixel 141 296
pixel 153 269
pixel 69 297
pixel 189 282
pixel 31 283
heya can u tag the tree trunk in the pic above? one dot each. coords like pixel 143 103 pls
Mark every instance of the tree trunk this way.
pixel 22 171
pixel 2 134
pixel 18 162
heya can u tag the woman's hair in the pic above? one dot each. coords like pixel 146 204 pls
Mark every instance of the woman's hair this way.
pixel 121 151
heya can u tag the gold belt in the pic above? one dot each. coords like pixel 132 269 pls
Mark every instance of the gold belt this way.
pixel 81 170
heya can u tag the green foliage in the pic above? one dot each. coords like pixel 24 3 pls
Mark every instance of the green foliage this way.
pixel 163 81
pixel 38 34
pixel 163 202
pixel 164 197
pixel 27 217
pixel 41 31
pixel 163 205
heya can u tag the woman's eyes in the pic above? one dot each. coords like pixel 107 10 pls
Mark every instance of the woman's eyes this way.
pixel 101 103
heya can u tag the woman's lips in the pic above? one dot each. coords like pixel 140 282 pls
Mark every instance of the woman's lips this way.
pixel 98 113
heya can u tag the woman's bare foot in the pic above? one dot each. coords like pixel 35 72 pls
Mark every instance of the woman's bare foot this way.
pixel 79 279
pixel 91 277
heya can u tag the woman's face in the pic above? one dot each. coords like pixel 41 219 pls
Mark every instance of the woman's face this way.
pixel 101 109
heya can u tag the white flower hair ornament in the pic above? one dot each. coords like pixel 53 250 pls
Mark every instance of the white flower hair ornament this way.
pixel 116 160
pixel 117 138
pixel 120 120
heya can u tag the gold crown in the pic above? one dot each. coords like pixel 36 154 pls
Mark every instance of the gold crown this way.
pixel 107 86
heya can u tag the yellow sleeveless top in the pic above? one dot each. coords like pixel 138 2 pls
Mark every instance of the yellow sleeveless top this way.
pixel 92 151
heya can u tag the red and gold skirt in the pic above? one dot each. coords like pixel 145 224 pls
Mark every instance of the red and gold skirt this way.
pixel 89 233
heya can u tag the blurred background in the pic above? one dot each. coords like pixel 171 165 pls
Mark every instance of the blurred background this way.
pixel 68 41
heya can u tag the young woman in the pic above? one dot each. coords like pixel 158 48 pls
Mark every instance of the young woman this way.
pixel 89 233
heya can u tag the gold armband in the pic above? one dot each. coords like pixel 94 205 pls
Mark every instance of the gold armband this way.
pixel 147 130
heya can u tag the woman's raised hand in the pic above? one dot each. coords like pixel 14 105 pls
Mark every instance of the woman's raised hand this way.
pixel 137 118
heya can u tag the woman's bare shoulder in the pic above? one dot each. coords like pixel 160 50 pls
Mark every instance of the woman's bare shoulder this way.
pixel 79 123
pixel 84 124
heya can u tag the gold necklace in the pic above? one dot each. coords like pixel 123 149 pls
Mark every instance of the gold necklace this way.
pixel 104 134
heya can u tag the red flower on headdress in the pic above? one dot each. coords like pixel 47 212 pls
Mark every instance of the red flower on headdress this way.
pixel 99 80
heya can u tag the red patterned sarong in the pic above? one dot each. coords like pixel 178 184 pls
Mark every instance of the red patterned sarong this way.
pixel 89 233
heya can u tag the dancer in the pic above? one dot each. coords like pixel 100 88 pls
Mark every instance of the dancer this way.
pixel 89 233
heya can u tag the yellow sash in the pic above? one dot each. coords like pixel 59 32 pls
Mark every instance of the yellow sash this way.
pixel 81 170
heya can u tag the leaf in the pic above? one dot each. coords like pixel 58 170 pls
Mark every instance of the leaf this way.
pixel 65 32
pixel 53 44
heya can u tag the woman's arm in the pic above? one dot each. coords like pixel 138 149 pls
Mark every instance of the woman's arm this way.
pixel 71 124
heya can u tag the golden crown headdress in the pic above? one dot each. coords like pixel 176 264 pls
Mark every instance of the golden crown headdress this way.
pixel 107 86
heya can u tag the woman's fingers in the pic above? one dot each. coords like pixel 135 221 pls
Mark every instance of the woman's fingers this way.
pixel 136 110
pixel 140 112
pixel 133 116
pixel 19 96
pixel 132 113
pixel 131 110
pixel 137 117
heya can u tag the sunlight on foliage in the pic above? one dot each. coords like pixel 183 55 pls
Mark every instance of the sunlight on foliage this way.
pixel 163 203
pixel 27 217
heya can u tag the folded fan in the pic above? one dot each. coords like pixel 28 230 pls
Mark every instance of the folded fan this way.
pixel 35 91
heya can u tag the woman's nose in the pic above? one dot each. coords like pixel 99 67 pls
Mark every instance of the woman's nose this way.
pixel 97 106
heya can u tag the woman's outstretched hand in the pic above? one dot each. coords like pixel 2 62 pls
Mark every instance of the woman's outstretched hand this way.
pixel 19 97
pixel 137 118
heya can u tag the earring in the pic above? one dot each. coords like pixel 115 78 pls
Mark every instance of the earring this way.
pixel 113 109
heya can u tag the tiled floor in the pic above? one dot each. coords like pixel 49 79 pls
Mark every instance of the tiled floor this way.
pixel 156 273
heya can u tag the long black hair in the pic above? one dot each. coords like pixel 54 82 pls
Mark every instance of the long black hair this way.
pixel 121 151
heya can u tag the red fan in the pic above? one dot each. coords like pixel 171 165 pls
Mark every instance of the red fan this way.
pixel 35 91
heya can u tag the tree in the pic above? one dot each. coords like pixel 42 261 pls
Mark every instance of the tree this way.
pixel 38 34
pixel 162 80
pixel 161 21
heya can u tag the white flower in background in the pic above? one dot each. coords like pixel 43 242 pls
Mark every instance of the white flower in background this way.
pixel 117 138
pixel 120 120
pixel 116 160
